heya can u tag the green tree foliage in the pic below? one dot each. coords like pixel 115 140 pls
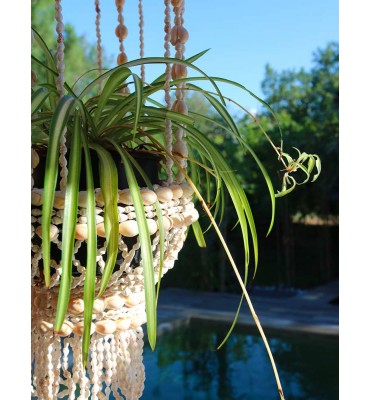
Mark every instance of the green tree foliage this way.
pixel 80 56
pixel 306 106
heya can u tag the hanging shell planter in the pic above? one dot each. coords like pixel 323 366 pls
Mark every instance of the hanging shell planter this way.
pixel 117 335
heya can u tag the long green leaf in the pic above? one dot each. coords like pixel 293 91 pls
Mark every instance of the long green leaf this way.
pixel 198 234
pixel 139 101
pixel 115 77
pixel 109 187
pixel 38 98
pixel 69 223
pixel 58 123
pixel 89 286
pixel 146 249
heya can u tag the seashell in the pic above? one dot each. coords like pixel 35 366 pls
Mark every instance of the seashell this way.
pixel 78 328
pixel 99 306
pixel 179 106
pixel 125 197
pixel 180 150
pixel 129 228
pixel 123 324
pixel 177 191
pixel 59 200
pixel 81 232
pixel 178 220
pixel 41 300
pixel 99 219
pixel 45 326
pixel 65 330
pixel 99 197
pixel 98 210
pixel 100 230
pixel 122 217
pixel 105 327
pixel 187 189
pixel 167 223
pixel 37 197
pixel 179 35
pixel 35 159
pixel 152 226
pixel 148 196
pixel 76 306
pixel 53 232
pixel 191 216
pixel 120 3
pixel 179 71
pixel 82 196
pixel 57 220
pixel 134 299
pixel 164 194
pixel 114 302
pixel 136 322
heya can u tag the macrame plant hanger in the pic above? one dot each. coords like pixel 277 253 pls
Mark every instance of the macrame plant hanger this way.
pixel 116 351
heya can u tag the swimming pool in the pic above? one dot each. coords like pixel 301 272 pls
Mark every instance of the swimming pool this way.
pixel 186 366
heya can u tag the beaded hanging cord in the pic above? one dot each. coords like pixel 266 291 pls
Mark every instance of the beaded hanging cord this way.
pixel 60 89
pixel 121 33
pixel 115 359
pixel 179 36
pixel 98 43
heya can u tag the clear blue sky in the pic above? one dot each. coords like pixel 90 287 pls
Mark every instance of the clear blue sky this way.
pixel 243 36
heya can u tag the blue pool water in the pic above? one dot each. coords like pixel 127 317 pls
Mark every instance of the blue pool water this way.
pixel 185 365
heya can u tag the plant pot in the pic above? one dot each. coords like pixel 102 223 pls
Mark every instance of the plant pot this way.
pixel 119 313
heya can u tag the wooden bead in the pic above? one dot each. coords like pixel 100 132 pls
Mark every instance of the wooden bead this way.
pixel 120 3
pixel 121 59
pixel 105 327
pixel 121 32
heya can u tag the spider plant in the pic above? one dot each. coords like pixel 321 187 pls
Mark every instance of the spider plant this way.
pixel 117 121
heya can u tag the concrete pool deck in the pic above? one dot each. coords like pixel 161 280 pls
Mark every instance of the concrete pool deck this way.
pixel 308 311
